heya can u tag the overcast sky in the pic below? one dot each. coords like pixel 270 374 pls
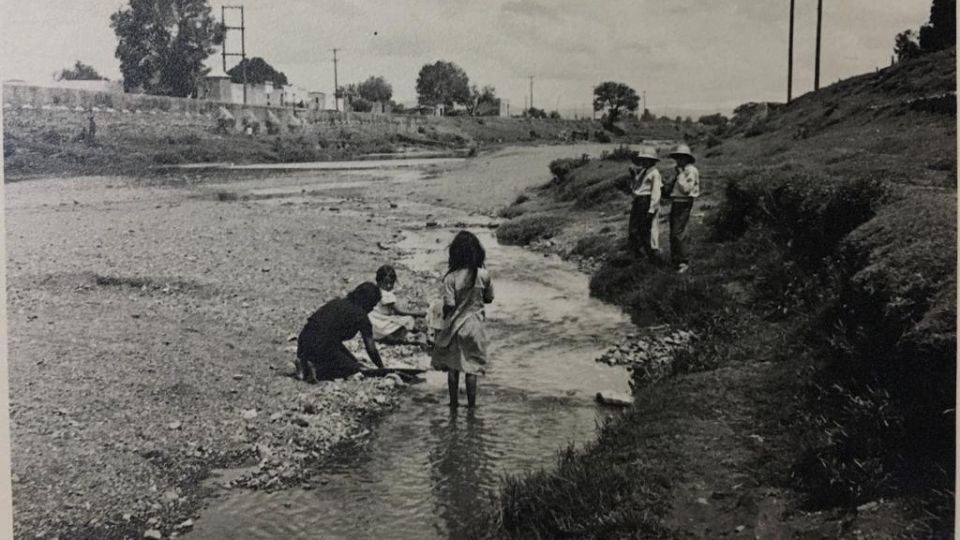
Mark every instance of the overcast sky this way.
pixel 693 54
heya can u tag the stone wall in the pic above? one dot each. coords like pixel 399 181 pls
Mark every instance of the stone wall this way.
pixel 24 98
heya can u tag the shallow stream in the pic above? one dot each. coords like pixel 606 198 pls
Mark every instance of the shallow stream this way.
pixel 427 469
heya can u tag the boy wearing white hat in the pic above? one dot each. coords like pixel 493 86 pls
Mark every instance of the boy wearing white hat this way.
pixel 685 189
pixel 646 185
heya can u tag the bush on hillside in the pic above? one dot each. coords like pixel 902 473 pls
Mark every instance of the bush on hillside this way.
pixel 560 168
pixel 808 212
pixel 525 229
pixel 621 153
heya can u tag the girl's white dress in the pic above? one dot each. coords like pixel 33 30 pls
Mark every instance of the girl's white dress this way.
pixel 383 322
pixel 461 344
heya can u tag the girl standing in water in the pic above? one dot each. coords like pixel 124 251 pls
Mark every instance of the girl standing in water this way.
pixel 461 344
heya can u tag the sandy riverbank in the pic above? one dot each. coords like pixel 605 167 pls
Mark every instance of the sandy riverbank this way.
pixel 149 328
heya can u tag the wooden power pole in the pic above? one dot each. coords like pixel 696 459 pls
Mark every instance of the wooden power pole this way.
pixel 816 72
pixel 790 57
pixel 336 86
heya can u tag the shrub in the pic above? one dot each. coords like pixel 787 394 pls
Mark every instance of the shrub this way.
pixel 809 212
pixel 528 228
pixel 621 153
pixel 601 136
pixel 560 168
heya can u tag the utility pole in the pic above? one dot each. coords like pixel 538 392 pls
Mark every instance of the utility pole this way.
pixel 336 87
pixel 531 91
pixel 816 73
pixel 644 101
pixel 243 45
pixel 790 58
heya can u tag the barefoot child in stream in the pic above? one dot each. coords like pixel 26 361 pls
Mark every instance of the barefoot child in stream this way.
pixel 321 354
pixel 461 344
pixel 390 323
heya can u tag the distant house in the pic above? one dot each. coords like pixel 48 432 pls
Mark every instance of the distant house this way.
pixel 317 101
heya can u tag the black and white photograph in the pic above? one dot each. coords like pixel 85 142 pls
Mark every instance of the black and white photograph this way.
pixel 442 269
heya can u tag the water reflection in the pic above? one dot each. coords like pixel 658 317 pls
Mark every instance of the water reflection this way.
pixel 459 465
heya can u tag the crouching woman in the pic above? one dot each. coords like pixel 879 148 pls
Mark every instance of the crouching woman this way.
pixel 321 354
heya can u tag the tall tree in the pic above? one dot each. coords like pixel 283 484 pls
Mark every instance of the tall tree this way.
pixel 375 89
pixel 162 44
pixel 80 72
pixel 258 72
pixel 442 83
pixel 941 31
pixel 614 97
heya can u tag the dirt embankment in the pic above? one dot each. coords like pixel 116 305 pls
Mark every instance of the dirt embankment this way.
pixel 822 297
pixel 44 142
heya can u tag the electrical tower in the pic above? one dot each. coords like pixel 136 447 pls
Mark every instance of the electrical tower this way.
pixel 243 45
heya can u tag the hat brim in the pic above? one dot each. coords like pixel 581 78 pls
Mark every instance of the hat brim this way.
pixel 673 155
pixel 650 158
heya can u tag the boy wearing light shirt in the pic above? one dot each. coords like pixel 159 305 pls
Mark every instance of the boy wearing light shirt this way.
pixel 686 188
pixel 645 184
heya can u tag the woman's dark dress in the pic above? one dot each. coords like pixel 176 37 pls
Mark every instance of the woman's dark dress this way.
pixel 321 340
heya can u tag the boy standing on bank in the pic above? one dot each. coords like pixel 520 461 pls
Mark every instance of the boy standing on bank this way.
pixel 686 188
pixel 646 184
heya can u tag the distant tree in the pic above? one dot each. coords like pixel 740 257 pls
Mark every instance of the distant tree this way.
pixel 906 45
pixel 555 115
pixel 678 120
pixel 360 104
pixel 442 83
pixel 688 120
pixel 941 31
pixel 647 116
pixel 162 44
pixel 375 89
pixel 534 112
pixel 80 72
pixel 713 120
pixel 483 101
pixel 258 72
pixel 614 97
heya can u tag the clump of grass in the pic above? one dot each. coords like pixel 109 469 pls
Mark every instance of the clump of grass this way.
pixel 527 228
pixel 606 493
pixel 621 153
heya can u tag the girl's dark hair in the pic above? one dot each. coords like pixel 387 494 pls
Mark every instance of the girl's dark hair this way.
pixel 466 252
pixel 365 296
pixel 386 272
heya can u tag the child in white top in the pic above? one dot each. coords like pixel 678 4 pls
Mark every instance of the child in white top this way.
pixel 390 323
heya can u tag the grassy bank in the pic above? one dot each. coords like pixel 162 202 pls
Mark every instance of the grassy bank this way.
pixel 818 396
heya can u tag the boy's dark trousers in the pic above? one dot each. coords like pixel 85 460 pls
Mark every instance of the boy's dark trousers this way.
pixel 641 223
pixel 679 217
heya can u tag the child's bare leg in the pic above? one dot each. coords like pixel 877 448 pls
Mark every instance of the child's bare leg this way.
pixel 471 390
pixel 453 386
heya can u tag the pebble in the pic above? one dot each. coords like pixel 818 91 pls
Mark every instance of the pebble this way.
pixel 188 524
pixel 174 425
pixel 248 414
pixel 153 534
pixel 740 528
